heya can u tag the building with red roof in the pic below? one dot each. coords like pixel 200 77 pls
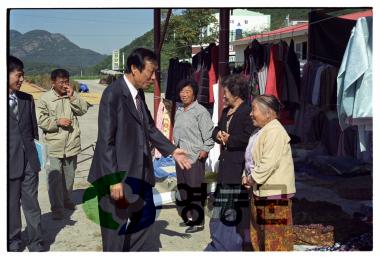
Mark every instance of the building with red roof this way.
pixel 298 32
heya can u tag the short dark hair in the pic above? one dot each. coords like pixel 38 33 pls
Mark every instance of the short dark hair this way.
pixel 269 101
pixel 62 73
pixel 138 58
pixel 14 63
pixel 237 85
pixel 188 82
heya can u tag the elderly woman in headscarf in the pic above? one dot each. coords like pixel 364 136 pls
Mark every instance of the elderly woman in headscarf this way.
pixel 269 173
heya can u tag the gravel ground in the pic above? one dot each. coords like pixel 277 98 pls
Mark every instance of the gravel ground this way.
pixel 77 233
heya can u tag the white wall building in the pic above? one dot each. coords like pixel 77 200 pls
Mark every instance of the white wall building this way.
pixel 242 23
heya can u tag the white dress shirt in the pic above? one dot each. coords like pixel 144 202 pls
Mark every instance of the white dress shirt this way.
pixel 132 89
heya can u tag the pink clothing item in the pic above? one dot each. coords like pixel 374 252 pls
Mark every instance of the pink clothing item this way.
pixel 271 85
pixel 212 81
pixel 164 121
pixel 213 72
pixel 159 119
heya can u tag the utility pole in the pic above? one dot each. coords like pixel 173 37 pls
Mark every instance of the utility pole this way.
pixel 123 62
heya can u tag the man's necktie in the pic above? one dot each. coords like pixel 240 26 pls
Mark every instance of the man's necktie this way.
pixel 139 110
pixel 13 105
pixel 139 106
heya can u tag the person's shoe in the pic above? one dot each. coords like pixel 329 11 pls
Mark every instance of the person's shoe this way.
pixel 15 247
pixel 194 229
pixel 184 224
pixel 70 206
pixel 39 247
pixel 57 215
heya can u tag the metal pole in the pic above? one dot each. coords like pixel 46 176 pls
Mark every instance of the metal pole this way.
pixel 157 37
pixel 224 28
pixel 165 28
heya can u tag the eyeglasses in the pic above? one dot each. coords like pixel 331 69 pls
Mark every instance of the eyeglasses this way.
pixel 62 83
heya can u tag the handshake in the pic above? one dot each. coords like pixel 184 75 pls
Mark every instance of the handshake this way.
pixel 223 137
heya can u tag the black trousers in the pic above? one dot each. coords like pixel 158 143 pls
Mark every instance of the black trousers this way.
pixel 23 192
pixel 192 179
pixel 139 216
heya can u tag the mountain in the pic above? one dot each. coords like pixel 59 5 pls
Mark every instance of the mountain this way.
pixel 53 49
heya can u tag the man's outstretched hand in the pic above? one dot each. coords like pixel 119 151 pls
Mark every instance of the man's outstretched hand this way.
pixel 180 156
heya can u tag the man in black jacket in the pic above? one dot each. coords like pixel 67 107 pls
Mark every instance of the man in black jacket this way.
pixel 122 168
pixel 23 163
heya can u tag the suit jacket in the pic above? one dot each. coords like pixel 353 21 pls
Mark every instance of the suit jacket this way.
pixel 122 154
pixel 21 135
pixel 122 136
pixel 231 159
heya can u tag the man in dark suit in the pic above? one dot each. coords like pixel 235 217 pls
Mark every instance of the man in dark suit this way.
pixel 23 163
pixel 122 167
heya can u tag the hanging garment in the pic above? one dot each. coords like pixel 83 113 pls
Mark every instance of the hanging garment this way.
pixel 354 83
pixel 294 65
pixel 197 65
pixel 213 156
pixel 213 72
pixel 262 77
pixel 203 87
pixel 263 72
pixel 290 92
pixel 164 121
pixel 271 85
pixel 172 79
pixel 348 142
pixel 246 66
pixel 280 68
pixel 253 80
pixel 176 72
pixel 327 35
pixel 317 85
pixel 327 94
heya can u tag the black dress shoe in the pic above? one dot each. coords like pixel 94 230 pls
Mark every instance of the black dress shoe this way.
pixel 15 246
pixel 183 224
pixel 39 247
pixel 194 229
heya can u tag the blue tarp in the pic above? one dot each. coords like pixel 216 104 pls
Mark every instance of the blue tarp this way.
pixel 158 165
pixel 83 88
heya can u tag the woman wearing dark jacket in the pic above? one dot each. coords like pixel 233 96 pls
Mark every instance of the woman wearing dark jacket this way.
pixel 233 132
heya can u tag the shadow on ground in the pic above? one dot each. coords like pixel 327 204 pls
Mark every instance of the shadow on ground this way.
pixel 158 228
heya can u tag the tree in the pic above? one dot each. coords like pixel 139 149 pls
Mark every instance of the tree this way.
pixel 186 29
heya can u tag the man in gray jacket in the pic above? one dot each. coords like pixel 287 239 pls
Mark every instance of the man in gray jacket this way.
pixel 57 117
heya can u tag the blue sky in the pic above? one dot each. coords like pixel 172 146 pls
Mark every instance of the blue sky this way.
pixel 101 30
